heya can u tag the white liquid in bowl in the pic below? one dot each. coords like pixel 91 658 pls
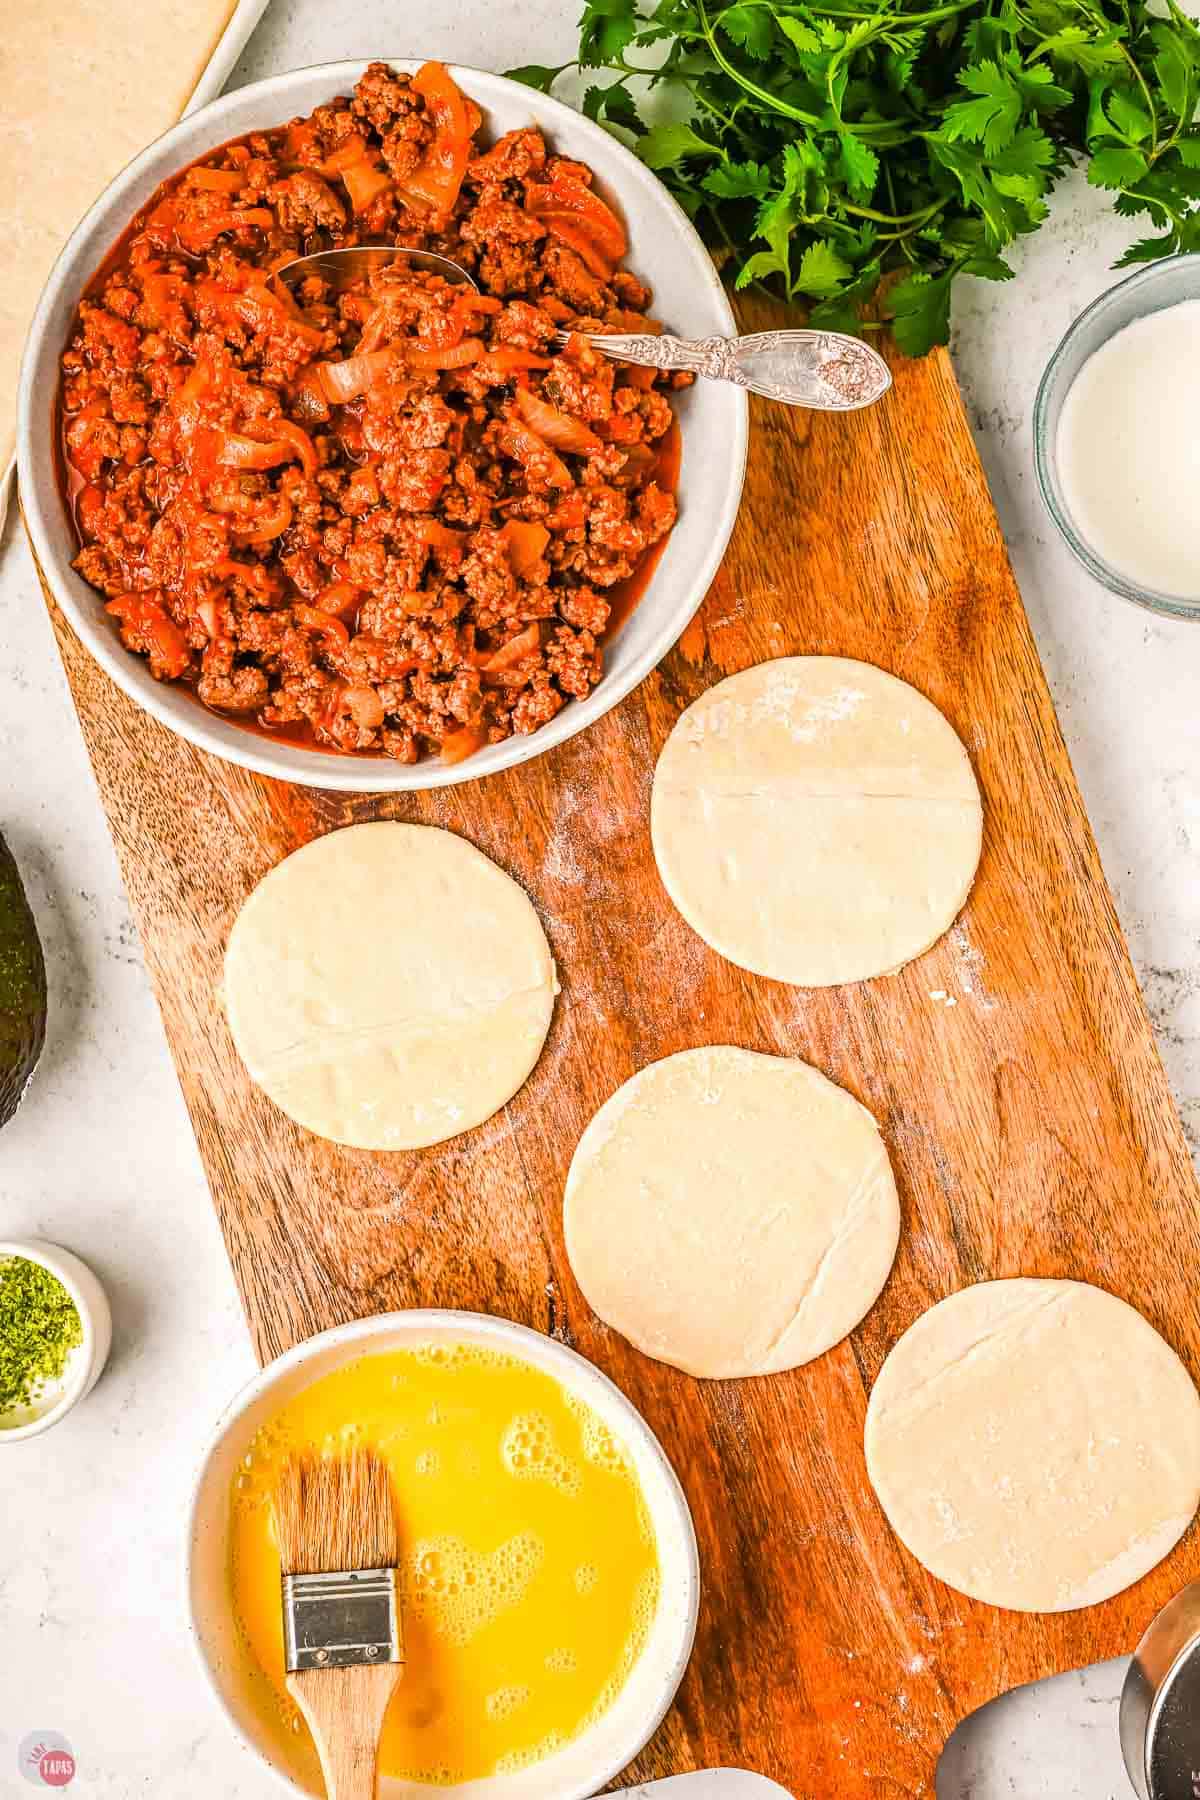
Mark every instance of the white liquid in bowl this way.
pixel 1128 451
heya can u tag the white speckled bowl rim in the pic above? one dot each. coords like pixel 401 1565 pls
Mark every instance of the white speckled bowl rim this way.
pixel 85 1364
pixel 664 248
pixel 1171 282
pixel 592 1760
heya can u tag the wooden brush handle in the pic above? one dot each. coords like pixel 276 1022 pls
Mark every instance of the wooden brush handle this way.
pixel 344 1709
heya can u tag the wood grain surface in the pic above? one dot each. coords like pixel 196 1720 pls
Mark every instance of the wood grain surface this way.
pixel 1030 1125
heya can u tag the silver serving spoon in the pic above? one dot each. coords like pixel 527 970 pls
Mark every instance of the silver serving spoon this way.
pixel 342 268
pixel 826 371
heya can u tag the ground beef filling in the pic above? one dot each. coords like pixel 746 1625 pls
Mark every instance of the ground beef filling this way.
pixel 391 518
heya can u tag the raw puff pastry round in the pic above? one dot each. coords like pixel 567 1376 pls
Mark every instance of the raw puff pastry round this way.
pixel 388 986
pixel 1035 1444
pixel 731 1213
pixel 816 820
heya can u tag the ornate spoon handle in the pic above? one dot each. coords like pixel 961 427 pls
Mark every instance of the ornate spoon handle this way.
pixel 824 370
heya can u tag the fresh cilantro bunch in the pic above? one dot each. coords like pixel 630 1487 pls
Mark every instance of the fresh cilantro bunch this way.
pixel 822 147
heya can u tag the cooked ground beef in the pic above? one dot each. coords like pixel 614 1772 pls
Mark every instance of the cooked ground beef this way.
pixel 391 518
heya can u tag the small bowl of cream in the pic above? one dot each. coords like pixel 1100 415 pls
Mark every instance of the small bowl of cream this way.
pixel 1117 437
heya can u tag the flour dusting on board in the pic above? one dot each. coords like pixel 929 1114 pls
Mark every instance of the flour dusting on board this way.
pixel 560 859
pixel 679 948
pixel 969 965
pixel 587 849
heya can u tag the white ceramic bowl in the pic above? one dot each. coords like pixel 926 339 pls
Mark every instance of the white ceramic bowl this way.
pixel 664 248
pixel 1171 282
pixel 86 1361
pixel 592 1760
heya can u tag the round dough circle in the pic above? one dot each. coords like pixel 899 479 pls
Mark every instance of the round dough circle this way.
pixel 388 986
pixel 816 820
pixel 731 1213
pixel 1035 1444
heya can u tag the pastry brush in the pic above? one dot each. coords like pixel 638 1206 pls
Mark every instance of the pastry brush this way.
pixel 343 1647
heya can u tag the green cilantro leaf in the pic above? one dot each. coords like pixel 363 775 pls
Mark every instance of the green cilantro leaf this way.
pixel 774 221
pixel 822 271
pixel 1116 168
pixel 691 200
pixel 750 28
pixel 992 117
pixel 1089 51
pixel 802 37
pixel 1129 116
pixel 920 309
pixel 1038 89
pixel 1129 206
pixel 758 267
pixel 738 181
pixel 536 75
pixel 840 312
pixel 606 30
pixel 1175 66
pixel 859 165
pixel 988 268
pixel 901 62
pixel 1148 250
pixel 1030 153
pixel 665 145
pixel 614 105
pixel 970 167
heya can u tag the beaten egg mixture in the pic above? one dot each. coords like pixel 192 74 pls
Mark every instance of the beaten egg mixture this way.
pixel 529 1569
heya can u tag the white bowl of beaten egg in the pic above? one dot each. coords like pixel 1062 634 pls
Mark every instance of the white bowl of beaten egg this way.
pixel 549 1566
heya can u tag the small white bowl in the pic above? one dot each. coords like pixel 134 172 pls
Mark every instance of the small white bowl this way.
pixel 85 1363
pixel 582 1767
pixel 1171 282
pixel 664 249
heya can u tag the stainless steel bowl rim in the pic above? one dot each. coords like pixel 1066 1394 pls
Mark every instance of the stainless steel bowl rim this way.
pixel 1169 1643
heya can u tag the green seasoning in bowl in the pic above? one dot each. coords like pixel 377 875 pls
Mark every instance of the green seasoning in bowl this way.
pixel 39 1328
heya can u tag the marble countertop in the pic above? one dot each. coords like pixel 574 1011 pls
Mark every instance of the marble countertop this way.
pixel 101 1157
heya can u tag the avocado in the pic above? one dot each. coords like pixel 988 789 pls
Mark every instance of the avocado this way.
pixel 22 988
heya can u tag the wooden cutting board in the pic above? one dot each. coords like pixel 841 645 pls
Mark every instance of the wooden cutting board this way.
pixel 1030 1124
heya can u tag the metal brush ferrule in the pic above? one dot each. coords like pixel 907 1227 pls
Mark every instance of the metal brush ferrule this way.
pixel 341 1621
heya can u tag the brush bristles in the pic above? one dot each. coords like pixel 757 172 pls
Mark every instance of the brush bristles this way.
pixel 335 1513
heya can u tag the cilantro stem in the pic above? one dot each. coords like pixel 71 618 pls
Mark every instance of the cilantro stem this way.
pixel 1153 200
pixel 1151 108
pixel 727 121
pixel 1183 20
pixel 899 18
pixel 910 218
pixel 714 213
pixel 1185 118
pixel 885 132
pixel 735 74
pixel 903 19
